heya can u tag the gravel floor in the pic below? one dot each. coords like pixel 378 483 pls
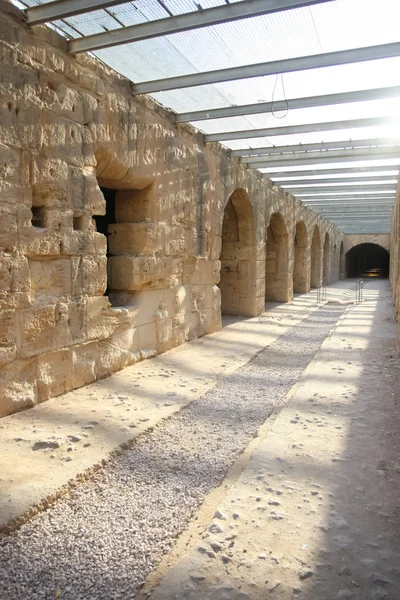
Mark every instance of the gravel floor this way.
pixel 102 541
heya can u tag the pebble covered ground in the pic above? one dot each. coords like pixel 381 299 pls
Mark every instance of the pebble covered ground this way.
pixel 102 540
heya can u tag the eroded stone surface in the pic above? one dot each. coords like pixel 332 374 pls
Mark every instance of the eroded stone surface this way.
pixel 83 161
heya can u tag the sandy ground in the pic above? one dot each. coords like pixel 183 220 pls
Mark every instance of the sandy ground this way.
pixel 311 511
pixel 57 441
pixel 308 511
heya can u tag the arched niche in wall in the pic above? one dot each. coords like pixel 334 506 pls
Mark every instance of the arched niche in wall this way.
pixel 238 260
pixel 277 286
pixel 300 271
pixel 315 258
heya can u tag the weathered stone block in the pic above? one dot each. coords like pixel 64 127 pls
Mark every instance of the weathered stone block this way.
pixel 51 278
pixel 165 339
pixel 148 343
pixel 14 274
pixel 44 329
pixel 17 386
pixel 84 192
pixel 102 320
pixel 84 364
pixel 8 228
pixel 8 329
pixel 207 271
pixel 36 241
pixel 135 206
pixel 117 352
pixel 10 178
pixel 146 305
pixel 89 275
pixel 136 239
pixel 54 374
pixel 49 182
pixel 132 273
pixel 19 117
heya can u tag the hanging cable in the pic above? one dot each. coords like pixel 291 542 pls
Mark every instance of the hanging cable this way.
pixel 286 112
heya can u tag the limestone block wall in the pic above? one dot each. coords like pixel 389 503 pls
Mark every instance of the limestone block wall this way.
pixel 112 228
pixel 381 239
pixel 395 257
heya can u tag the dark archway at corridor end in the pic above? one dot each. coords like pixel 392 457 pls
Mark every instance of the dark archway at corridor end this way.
pixel 367 260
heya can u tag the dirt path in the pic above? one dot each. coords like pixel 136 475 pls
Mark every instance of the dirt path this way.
pixel 105 538
pixel 315 513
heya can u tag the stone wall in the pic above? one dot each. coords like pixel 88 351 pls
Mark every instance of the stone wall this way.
pixel 81 157
pixel 395 257
pixel 381 239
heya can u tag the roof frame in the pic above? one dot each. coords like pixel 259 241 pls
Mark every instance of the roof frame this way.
pixel 342 188
pixel 302 128
pixel 345 199
pixel 332 171
pixel 330 157
pixel 291 104
pixel 287 65
pixel 185 22
pixel 342 144
pixel 338 180
pixel 59 9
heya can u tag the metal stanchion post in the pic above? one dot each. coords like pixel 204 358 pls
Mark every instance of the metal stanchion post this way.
pixel 359 290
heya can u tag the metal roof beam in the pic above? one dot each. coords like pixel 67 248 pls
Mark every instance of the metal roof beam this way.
pixel 344 200
pixel 300 159
pixel 291 104
pixel 356 202
pixel 331 195
pixel 339 180
pixel 186 22
pixel 354 212
pixel 342 144
pixel 364 221
pixel 384 187
pixel 332 171
pixel 297 129
pixel 289 65
pixel 51 11
pixel 374 209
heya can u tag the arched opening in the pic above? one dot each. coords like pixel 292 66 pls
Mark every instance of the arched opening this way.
pixel 326 260
pixel 315 258
pixel 300 271
pixel 342 263
pixel 367 260
pixel 238 281
pixel 277 287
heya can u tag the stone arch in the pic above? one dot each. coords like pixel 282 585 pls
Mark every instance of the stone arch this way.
pixel 326 266
pixel 277 288
pixel 380 239
pixel 342 262
pixel 367 260
pixel 300 271
pixel 315 258
pixel 238 257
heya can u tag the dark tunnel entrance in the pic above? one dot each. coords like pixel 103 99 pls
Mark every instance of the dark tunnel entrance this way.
pixel 367 260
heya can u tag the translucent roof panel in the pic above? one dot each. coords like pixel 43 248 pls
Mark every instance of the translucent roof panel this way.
pixel 327 27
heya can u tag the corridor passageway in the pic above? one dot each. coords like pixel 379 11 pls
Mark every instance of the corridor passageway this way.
pixel 279 474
